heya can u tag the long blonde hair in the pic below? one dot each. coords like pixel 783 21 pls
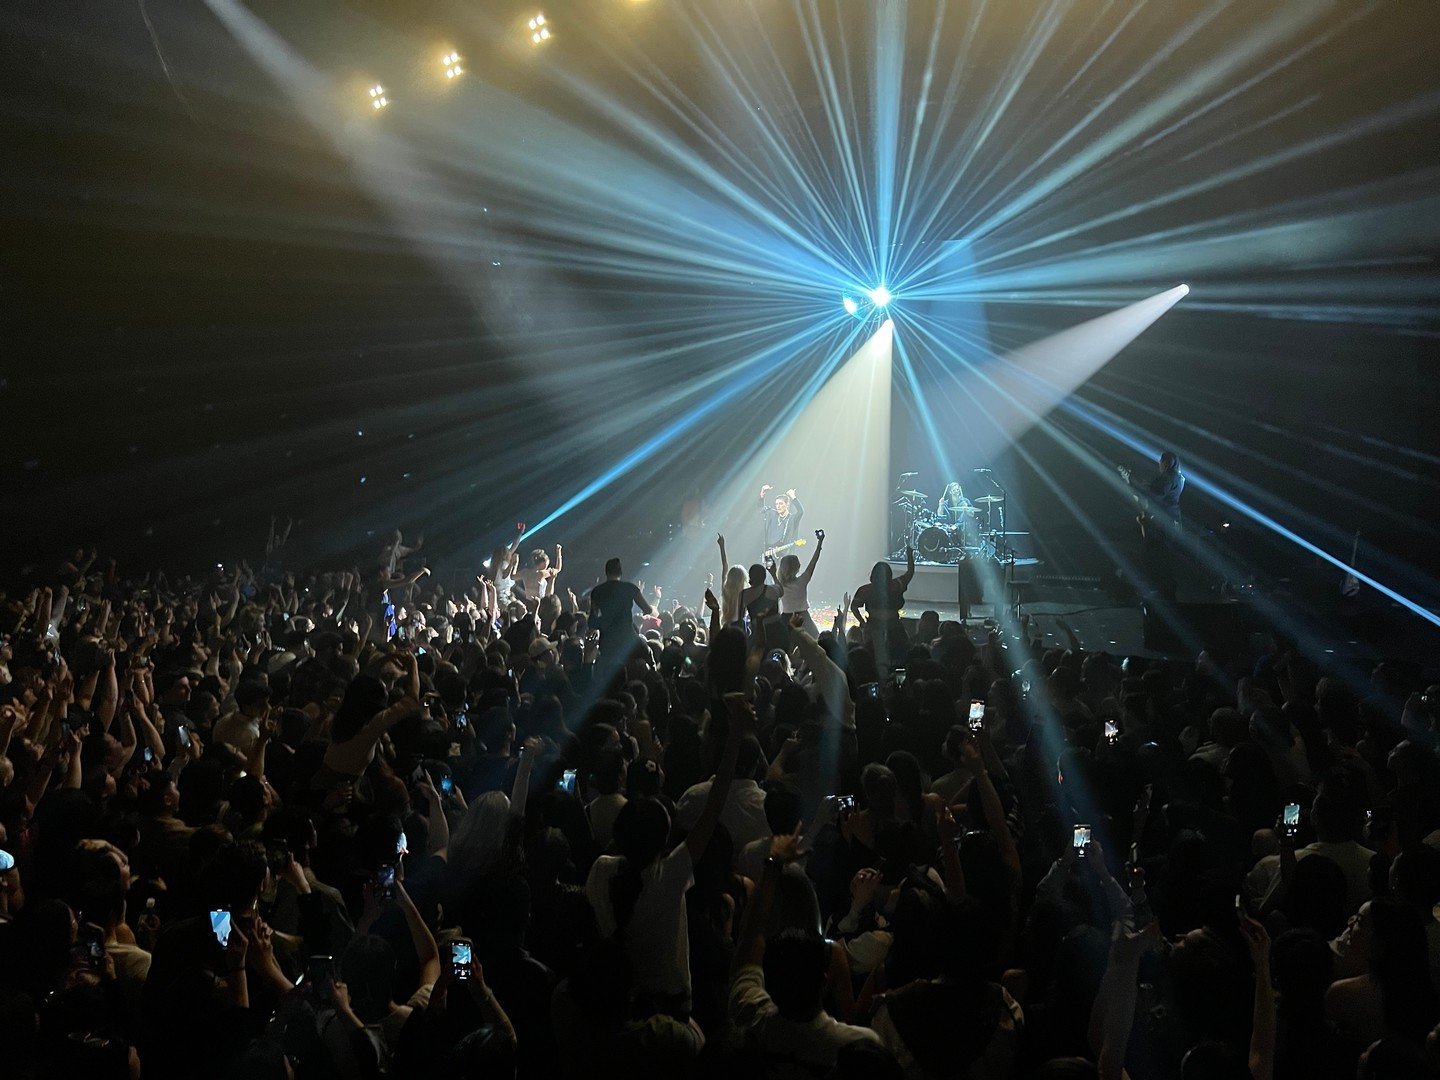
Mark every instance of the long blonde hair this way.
pixel 730 592
pixel 789 569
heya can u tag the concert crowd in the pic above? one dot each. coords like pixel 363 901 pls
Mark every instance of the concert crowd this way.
pixel 366 822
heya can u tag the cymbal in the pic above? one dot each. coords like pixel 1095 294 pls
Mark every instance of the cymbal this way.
pixel 914 494
pixel 997 533
pixel 989 499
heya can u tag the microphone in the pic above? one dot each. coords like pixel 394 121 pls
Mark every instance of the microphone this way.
pixel 982 470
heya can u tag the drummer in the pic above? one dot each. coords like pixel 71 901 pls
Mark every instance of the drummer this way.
pixel 953 508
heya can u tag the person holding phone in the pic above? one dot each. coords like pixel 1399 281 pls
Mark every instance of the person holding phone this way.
pixel 1337 819
pixel 366 983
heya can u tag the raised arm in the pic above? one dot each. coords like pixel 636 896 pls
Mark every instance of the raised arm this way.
pixel 1262 1028
pixel 514 545
pixel 714 607
pixel 520 793
pixel 412 675
pixel 909 567
pixel 741 718
pixel 750 947
pixel 724 563
pixel 1113 1012
pixel 809 571
pixel 425 948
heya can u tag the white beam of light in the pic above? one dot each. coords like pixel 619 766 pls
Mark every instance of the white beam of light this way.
pixel 1014 392
pixel 835 453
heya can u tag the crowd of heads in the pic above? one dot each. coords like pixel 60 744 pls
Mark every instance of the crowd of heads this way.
pixel 358 823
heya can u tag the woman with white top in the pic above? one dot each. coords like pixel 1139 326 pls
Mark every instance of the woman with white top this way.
pixel 639 895
pixel 795 584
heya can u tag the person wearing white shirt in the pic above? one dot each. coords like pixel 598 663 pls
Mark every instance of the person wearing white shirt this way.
pixel 539 577
pixel 638 896
pixel 1336 820
pixel 795 584
pixel 744 812
pixel 608 777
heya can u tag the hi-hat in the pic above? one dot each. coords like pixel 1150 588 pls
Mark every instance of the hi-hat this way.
pixel 914 494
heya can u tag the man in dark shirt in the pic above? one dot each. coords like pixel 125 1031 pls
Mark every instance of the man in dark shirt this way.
pixel 611 604
pixel 1161 516
pixel 1166 487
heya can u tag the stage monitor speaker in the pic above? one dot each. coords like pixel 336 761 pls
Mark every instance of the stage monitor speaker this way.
pixel 956 585
pixel 1225 625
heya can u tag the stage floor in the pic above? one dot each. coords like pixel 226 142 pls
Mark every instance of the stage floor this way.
pixel 1357 634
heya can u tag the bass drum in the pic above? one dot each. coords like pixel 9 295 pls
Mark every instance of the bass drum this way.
pixel 935 543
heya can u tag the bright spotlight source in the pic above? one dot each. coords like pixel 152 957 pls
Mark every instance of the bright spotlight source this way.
pixel 451 63
pixel 378 99
pixel 852 306
pixel 880 296
pixel 1184 290
pixel 539 30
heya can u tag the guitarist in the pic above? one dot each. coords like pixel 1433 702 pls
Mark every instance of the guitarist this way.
pixel 1159 513
pixel 782 518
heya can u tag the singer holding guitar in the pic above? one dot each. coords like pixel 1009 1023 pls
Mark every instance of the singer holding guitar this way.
pixel 782 519
pixel 1159 503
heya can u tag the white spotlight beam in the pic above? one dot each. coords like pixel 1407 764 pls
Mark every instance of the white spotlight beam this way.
pixel 995 400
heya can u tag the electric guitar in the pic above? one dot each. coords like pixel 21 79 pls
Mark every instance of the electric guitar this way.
pixel 1142 518
pixel 779 549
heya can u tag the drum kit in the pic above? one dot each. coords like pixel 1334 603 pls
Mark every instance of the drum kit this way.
pixel 974 530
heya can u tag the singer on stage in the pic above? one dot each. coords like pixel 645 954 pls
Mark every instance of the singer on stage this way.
pixel 782 518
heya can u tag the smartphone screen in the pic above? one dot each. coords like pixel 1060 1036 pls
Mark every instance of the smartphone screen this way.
pixel 1291 819
pixel 385 882
pixel 220 926
pixel 977 715
pixel 899 676
pixel 402 847
pixel 319 970
pixel 183 735
pixel 91 940
pixel 1079 838
pixel 7 861
pixel 567 782
pixel 461 959
pixel 447 785
pixel 1112 731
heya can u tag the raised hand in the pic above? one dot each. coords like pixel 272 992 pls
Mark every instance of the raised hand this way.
pixel 1257 940
pixel 863 887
